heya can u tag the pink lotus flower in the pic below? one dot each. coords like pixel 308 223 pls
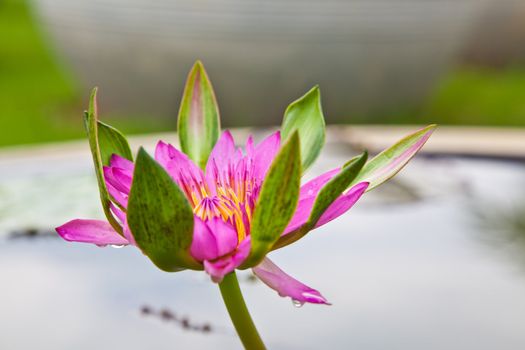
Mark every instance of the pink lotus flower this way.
pixel 217 207
pixel 223 198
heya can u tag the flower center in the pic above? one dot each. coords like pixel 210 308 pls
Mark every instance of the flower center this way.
pixel 232 199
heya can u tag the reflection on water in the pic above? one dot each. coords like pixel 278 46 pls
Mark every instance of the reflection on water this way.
pixel 167 315
pixel 408 276
pixel 31 233
pixel 502 226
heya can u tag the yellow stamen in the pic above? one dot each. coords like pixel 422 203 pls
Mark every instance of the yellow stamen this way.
pixel 230 203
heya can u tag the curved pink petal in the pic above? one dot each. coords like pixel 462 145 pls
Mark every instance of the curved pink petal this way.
pixel 212 239
pixel 250 150
pixel 174 161
pixel 123 221
pixel 127 233
pixel 301 215
pixel 225 235
pixel 219 268
pixel 162 153
pixel 337 208
pixel 264 153
pixel 307 196
pixel 342 204
pixel 204 244
pixel 178 165
pixel 120 162
pixel 124 178
pixel 118 178
pixel 90 231
pixel 312 187
pixel 119 214
pixel 286 285
pixel 223 154
pixel 117 195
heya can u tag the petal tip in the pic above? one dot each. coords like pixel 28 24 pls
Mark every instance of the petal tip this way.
pixel 63 230
pixel 314 297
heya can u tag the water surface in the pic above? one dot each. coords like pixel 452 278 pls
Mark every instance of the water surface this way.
pixel 423 263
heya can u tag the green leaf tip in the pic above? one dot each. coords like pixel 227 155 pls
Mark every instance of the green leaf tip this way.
pixel 199 119
pixel 306 116
pixel 277 201
pixel 389 162
pixel 112 141
pixel 160 217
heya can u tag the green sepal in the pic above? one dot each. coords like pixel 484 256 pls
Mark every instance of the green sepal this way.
pixel 335 187
pixel 306 116
pixel 326 196
pixel 111 141
pixel 199 120
pixel 160 217
pixel 104 141
pixel 277 201
pixel 389 162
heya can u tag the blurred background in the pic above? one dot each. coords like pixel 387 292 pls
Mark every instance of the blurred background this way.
pixel 396 61
pixel 433 260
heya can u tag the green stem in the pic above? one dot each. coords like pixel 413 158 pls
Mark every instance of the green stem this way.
pixel 241 319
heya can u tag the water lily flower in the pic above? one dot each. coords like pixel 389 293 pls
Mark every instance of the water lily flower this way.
pixel 213 206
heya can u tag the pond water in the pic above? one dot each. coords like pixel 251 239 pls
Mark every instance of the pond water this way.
pixel 434 260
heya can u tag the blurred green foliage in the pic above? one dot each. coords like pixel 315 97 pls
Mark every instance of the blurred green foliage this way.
pixel 39 101
pixel 35 96
pixel 479 96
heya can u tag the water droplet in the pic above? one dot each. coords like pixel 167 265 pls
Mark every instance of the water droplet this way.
pixel 116 245
pixel 297 303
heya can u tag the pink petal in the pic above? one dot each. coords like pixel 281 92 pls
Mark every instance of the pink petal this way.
pixel 312 187
pixel 118 196
pixel 177 164
pixel 117 178
pixel 264 153
pixel 225 235
pixel 286 285
pixel 223 154
pixel 162 153
pixel 301 215
pixel 90 231
pixel 342 204
pixel 120 162
pixel 212 239
pixel 124 177
pixel 337 208
pixel 307 198
pixel 204 244
pixel 219 268
pixel 119 214
pixel 249 147
pixel 128 234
